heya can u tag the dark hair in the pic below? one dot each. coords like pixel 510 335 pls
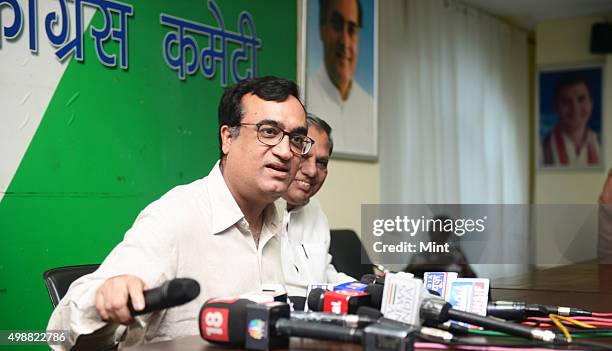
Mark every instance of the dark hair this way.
pixel 324 5
pixel 313 120
pixel 570 79
pixel 268 88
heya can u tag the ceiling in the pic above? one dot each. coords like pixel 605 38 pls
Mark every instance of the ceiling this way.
pixel 528 13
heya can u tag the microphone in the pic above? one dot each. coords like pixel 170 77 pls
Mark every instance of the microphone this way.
pixel 269 326
pixel 172 293
pixel 406 300
pixel 374 278
pixel 349 320
pixel 343 301
pixel 517 311
pixel 221 321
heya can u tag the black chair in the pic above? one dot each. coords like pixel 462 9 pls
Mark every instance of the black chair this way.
pixel 58 280
pixel 346 250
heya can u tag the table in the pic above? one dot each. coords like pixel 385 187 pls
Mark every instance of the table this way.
pixel 582 285
pixel 585 285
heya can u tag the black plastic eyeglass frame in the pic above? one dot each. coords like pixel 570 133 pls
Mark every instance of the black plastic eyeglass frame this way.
pixel 308 142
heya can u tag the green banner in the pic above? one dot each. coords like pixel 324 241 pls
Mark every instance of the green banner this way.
pixel 113 138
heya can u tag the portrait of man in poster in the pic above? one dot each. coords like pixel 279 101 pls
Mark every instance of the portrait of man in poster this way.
pixel 340 83
pixel 570 118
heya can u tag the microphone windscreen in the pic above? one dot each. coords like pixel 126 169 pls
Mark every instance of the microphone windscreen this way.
pixel 314 299
pixel 183 290
pixel 367 311
pixel 172 293
pixel 376 293
pixel 368 278
pixel 223 321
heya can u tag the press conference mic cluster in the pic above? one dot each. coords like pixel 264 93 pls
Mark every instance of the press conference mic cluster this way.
pixel 392 312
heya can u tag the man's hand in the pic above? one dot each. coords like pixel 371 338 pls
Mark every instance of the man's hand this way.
pixel 112 298
pixel 606 193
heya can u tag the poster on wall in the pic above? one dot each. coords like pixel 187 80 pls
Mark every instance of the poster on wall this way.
pixel 570 110
pixel 341 72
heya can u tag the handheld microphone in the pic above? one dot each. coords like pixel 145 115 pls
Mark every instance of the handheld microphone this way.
pixel 172 293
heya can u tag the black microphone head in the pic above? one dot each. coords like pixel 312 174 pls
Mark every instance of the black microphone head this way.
pixel 368 278
pixel 368 311
pixel 376 293
pixel 182 290
pixel 171 293
pixel 223 321
pixel 298 302
pixel 315 299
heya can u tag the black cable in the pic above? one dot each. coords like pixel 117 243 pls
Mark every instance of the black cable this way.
pixel 470 341
pixel 592 345
pixel 502 326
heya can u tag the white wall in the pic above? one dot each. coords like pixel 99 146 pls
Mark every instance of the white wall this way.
pixel 566 42
pixel 349 184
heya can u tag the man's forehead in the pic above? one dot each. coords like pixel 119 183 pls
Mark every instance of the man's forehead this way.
pixel 279 112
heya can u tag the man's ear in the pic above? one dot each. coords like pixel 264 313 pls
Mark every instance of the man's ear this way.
pixel 226 138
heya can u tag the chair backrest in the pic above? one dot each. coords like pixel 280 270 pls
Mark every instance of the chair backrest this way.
pixel 58 280
pixel 346 250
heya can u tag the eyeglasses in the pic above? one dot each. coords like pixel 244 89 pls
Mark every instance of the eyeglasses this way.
pixel 272 135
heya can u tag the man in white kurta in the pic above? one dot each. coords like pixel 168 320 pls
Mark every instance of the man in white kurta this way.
pixel 222 231
pixel 305 235
pixel 195 230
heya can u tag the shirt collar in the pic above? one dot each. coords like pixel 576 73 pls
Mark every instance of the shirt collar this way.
pixel 225 210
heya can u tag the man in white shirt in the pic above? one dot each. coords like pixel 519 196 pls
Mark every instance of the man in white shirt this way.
pixel 332 91
pixel 222 230
pixel 305 235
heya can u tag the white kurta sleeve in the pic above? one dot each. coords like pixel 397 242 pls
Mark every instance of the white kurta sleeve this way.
pixel 147 251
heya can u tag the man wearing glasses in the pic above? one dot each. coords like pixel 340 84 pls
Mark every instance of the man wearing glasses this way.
pixel 305 233
pixel 221 230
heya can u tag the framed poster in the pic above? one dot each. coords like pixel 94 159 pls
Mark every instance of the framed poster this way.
pixel 569 116
pixel 340 72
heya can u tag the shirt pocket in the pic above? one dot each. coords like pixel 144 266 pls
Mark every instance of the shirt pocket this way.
pixel 315 259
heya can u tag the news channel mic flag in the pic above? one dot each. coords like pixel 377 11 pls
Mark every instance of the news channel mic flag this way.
pixel 341 72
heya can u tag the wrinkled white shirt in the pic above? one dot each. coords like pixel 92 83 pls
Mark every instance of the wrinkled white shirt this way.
pixel 305 248
pixel 353 123
pixel 193 231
